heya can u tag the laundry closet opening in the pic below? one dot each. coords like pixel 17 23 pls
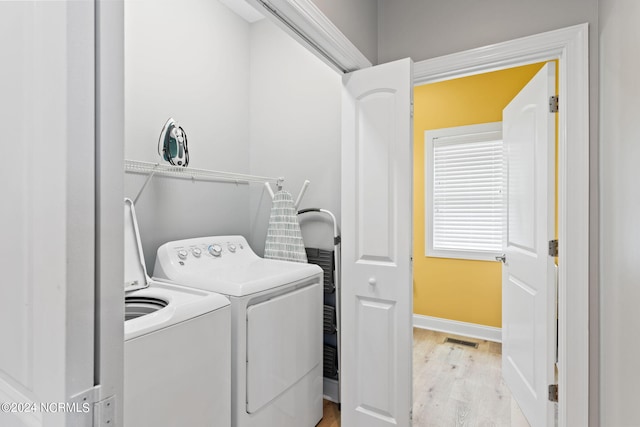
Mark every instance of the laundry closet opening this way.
pixel 254 103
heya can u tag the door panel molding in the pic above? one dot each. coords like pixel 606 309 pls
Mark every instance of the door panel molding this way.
pixel 380 316
pixel 377 179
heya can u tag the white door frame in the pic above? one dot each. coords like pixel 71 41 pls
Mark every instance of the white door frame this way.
pixel 109 197
pixel 306 23
pixel 570 47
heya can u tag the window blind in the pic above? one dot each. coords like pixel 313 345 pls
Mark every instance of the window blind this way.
pixel 468 199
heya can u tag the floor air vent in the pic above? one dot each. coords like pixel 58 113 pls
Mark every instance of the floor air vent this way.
pixel 461 342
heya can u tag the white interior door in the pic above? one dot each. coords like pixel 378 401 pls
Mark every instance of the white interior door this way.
pixel 47 211
pixel 528 339
pixel 377 297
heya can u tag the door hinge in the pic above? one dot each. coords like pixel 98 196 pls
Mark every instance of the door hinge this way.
pixel 104 412
pixel 553 392
pixel 80 408
pixel 553 104
pixel 412 109
pixel 88 411
pixel 553 247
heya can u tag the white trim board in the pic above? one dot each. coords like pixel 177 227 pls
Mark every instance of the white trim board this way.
pixel 570 47
pixel 465 329
pixel 513 53
pixel 306 23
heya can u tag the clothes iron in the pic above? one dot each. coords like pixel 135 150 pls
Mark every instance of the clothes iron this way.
pixel 172 145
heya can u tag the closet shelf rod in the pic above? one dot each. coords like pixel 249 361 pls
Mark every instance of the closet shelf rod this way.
pixel 137 166
pixel 140 167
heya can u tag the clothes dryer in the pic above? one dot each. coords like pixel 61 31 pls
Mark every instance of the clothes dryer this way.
pixel 276 326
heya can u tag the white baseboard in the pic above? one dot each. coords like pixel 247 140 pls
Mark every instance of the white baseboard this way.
pixel 471 330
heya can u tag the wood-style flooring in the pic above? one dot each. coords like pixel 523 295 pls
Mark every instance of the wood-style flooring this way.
pixel 330 416
pixel 454 385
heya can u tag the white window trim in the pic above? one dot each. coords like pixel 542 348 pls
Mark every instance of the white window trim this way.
pixel 487 131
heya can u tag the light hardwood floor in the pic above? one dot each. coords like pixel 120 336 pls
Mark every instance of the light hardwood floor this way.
pixel 454 385
pixel 330 416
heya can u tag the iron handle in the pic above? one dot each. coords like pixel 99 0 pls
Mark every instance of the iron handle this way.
pixel 502 258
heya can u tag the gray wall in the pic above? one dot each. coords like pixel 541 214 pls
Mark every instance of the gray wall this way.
pixel 620 221
pixel 196 70
pixel 295 130
pixel 358 20
pixel 426 29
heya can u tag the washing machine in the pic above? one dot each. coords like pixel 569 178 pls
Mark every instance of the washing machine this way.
pixel 177 350
pixel 276 326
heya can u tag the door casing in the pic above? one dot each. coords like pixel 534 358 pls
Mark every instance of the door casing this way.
pixel 570 47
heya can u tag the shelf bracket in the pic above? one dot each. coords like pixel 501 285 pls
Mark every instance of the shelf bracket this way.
pixel 146 182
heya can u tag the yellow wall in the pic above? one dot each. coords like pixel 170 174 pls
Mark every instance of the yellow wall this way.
pixel 467 291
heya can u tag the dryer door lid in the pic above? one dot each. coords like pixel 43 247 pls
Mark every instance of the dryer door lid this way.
pixel 135 270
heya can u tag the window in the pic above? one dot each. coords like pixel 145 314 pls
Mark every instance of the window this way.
pixel 464 204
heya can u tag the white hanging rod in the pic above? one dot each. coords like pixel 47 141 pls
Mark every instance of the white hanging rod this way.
pixel 140 167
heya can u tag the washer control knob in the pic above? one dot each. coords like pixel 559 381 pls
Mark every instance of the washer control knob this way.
pixel 182 254
pixel 231 247
pixel 215 250
pixel 196 252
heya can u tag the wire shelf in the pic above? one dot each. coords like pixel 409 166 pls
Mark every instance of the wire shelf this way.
pixel 140 167
pixel 152 169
